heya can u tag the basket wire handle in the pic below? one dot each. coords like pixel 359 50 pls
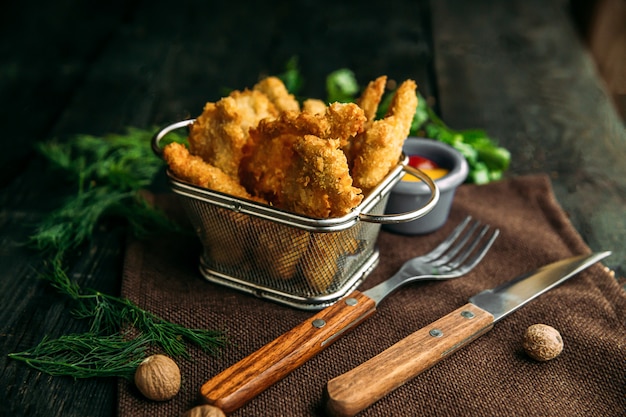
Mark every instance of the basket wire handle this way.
pixel 409 215
pixel 163 132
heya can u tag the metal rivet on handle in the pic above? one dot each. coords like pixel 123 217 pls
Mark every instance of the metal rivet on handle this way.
pixel 319 323
pixel 352 301
pixel 435 333
pixel 467 314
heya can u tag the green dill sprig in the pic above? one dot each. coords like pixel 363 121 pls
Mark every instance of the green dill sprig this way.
pixel 109 174
pixel 108 314
pixel 86 355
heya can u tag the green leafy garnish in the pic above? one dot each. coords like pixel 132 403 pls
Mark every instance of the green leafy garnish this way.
pixel 109 174
pixel 486 160
pixel 341 85
pixel 291 77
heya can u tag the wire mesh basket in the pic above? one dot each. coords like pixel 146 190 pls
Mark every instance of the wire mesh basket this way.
pixel 300 261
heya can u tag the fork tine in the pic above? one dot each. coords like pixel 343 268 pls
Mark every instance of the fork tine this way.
pixel 467 248
pixel 443 246
pixel 426 267
pixel 454 249
pixel 478 255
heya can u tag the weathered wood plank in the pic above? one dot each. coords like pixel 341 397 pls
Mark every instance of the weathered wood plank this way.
pixel 520 71
pixel 46 49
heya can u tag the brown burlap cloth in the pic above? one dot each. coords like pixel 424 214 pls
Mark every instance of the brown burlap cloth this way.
pixel 490 377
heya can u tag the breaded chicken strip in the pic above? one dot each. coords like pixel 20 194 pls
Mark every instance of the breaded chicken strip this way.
pixel 323 257
pixel 278 249
pixel 318 182
pixel 368 101
pixel 276 91
pixel 339 121
pixel 272 154
pixel 222 235
pixel 264 170
pixel 370 98
pixel 220 134
pixel 314 106
pixel 193 169
pixel 346 121
pixel 378 149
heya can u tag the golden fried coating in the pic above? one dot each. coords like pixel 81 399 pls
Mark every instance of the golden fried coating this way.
pixel 370 98
pixel 368 101
pixel 378 149
pixel 339 121
pixel 346 120
pixel 314 106
pixel 220 134
pixel 264 170
pixel 278 249
pixel 272 154
pixel 290 123
pixel 195 170
pixel 323 255
pixel 222 234
pixel 318 182
pixel 258 144
pixel 276 91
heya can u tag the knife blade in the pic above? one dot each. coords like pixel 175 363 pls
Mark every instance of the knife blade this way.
pixel 357 389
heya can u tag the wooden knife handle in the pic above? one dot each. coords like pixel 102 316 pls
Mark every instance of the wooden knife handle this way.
pixel 235 386
pixel 362 386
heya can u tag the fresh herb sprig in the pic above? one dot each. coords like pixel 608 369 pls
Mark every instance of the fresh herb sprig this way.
pixel 487 161
pixel 86 355
pixel 109 174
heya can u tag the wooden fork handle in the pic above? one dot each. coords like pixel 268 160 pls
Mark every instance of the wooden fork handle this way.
pixel 237 385
pixel 362 386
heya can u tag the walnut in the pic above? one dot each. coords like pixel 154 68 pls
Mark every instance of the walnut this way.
pixel 542 342
pixel 158 378
pixel 205 411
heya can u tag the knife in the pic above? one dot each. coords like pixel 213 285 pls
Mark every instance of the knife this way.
pixel 362 386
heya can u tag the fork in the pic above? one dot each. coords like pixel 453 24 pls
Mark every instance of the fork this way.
pixel 454 257
pixel 457 255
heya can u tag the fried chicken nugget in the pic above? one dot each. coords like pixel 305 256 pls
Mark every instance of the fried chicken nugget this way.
pixel 276 91
pixel 195 170
pixel 221 236
pixel 318 182
pixel 323 257
pixel 220 134
pixel 291 123
pixel 314 106
pixel 278 249
pixel 368 101
pixel 271 153
pixel 222 247
pixel 339 121
pixel 378 149
pixel 346 120
pixel 264 170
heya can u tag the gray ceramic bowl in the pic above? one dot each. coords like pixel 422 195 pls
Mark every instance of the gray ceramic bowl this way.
pixel 408 195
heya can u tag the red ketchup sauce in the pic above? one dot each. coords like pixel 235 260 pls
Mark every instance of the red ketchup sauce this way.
pixel 429 167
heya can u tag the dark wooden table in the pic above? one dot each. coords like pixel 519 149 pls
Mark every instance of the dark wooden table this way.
pixel 516 69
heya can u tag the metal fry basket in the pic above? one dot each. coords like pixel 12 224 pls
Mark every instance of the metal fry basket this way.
pixel 299 261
